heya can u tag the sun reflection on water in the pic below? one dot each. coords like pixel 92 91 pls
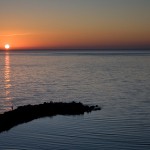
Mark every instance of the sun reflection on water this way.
pixel 7 80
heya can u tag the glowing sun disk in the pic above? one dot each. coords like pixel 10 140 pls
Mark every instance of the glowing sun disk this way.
pixel 7 46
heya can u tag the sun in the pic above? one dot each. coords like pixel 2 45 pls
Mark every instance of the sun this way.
pixel 7 46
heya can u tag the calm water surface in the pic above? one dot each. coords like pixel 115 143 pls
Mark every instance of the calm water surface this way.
pixel 118 82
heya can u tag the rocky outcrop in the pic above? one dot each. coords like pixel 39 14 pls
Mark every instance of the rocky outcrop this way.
pixel 28 113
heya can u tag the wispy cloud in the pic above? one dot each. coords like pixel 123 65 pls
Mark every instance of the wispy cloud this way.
pixel 19 34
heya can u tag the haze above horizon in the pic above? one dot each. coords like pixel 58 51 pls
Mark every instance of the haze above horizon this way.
pixel 75 24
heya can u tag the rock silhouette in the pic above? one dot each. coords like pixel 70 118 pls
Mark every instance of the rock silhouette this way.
pixel 28 113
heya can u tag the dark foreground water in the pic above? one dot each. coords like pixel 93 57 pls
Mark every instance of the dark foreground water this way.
pixel 118 82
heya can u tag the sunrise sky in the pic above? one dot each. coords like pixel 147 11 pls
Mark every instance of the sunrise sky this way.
pixel 75 24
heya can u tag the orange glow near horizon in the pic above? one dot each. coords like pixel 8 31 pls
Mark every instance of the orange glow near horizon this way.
pixel 76 39
pixel 74 24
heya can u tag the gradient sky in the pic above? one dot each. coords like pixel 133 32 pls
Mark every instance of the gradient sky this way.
pixel 75 23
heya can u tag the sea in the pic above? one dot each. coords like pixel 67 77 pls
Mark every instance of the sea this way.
pixel 117 81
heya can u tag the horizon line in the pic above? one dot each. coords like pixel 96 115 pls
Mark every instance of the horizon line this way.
pixel 77 49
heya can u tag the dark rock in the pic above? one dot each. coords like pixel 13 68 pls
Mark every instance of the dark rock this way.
pixel 28 113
